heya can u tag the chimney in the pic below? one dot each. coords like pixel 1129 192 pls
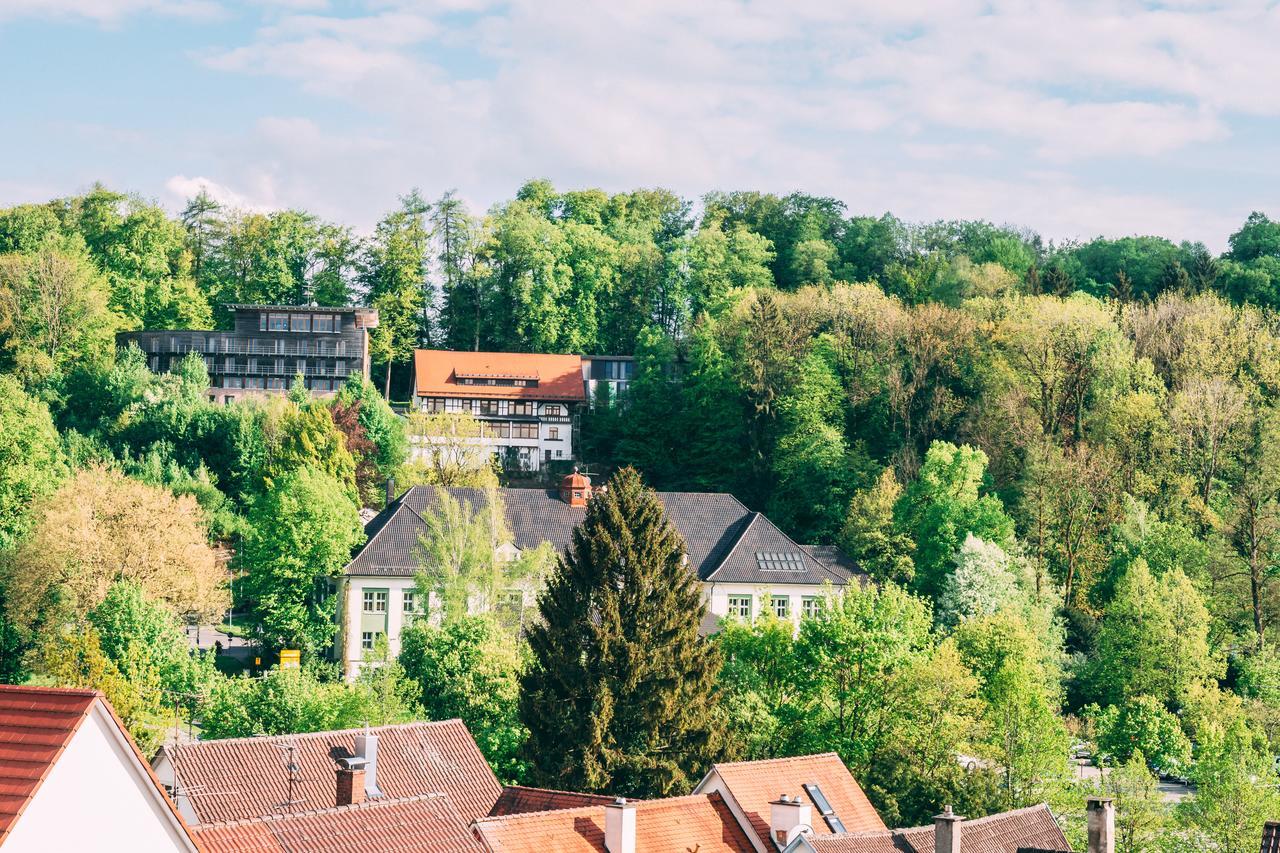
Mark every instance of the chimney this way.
pixel 788 817
pixel 946 831
pixel 620 827
pixel 367 751
pixel 391 490
pixel 1102 825
pixel 350 786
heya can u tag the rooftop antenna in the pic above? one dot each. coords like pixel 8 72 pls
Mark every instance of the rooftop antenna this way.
pixel 295 773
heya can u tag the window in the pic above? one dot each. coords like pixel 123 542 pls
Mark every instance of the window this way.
pixel 781 605
pixel 275 383
pixel 551 411
pixel 524 430
pixel 433 405
pixel 452 405
pixel 228 399
pixel 522 408
pixel 279 367
pixel 368 639
pixel 553 434
pixel 233 382
pixel 810 606
pixel 740 606
pixel 341 348
pixel 339 368
pixel 319 384
pixel 780 561
pixel 488 407
pixel 253 382
pixel 322 323
pixel 278 322
pixel 375 601
pixel 299 322
pixel 302 365
pixel 228 364
pixel 410 601
pixel 500 429
pixel 559 454
pixel 262 322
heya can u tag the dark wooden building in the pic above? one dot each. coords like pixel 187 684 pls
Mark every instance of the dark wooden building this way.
pixel 269 346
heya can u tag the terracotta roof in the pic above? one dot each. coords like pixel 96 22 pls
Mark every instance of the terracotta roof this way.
pixel 427 824
pixel 1271 837
pixel 719 533
pixel 243 778
pixel 674 825
pixel 517 799
pixel 1032 828
pixel 754 784
pixel 36 724
pixel 559 377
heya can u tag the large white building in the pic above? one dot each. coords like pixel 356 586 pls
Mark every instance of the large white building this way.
pixel 746 564
pixel 525 402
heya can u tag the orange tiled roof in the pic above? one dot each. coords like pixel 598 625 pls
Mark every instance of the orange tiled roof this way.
pixel 559 376
pixel 674 825
pixel 244 778
pixel 754 784
pixel 517 799
pixel 427 824
pixel 1032 828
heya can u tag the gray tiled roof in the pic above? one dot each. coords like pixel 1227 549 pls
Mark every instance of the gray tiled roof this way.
pixel 720 533
pixel 764 554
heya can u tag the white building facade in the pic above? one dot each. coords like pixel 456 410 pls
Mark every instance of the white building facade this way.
pixel 747 566
pixel 525 404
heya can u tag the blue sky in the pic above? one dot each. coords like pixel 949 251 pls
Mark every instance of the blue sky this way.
pixel 1075 118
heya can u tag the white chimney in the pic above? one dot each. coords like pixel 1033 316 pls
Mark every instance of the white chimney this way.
pixel 620 827
pixel 367 749
pixel 946 831
pixel 788 817
pixel 1102 825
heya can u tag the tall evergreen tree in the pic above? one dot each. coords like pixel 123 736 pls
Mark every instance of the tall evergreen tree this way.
pixel 619 694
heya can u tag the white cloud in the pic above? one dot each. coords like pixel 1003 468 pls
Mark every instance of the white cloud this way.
pixel 182 188
pixel 108 12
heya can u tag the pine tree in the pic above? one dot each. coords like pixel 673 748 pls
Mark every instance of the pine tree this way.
pixel 619 694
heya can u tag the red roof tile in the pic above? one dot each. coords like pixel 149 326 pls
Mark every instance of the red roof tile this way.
pixel 243 778
pixel 36 724
pixel 754 784
pixel 674 825
pixel 1032 828
pixel 559 377
pixel 427 824
pixel 517 799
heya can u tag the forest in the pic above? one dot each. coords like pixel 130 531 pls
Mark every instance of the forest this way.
pixel 1057 461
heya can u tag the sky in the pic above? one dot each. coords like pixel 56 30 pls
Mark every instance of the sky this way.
pixel 1073 118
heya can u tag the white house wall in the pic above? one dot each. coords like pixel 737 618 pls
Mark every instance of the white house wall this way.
pixel 97 797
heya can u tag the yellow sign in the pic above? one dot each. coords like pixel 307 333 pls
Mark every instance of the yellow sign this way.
pixel 290 659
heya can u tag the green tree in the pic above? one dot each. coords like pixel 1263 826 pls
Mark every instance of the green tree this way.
pixel 31 463
pixel 943 505
pixel 301 533
pixel 984 581
pixel 1142 727
pixel 870 536
pixel 1235 793
pixel 470 669
pixel 618 695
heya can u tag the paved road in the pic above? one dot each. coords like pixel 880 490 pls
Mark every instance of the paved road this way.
pixel 1170 791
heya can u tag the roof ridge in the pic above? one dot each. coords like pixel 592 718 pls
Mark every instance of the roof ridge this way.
pixel 648 804
pixel 364 805
pixel 991 818
pixel 742 534
pixel 312 735
pixel 780 758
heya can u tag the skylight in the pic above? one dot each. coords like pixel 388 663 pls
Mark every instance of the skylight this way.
pixel 780 561
pixel 824 807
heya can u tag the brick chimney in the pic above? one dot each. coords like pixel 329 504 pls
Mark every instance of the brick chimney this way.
pixel 946 831
pixel 620 827
pixel 1102 825
pixel 350 786
pixel 788 817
